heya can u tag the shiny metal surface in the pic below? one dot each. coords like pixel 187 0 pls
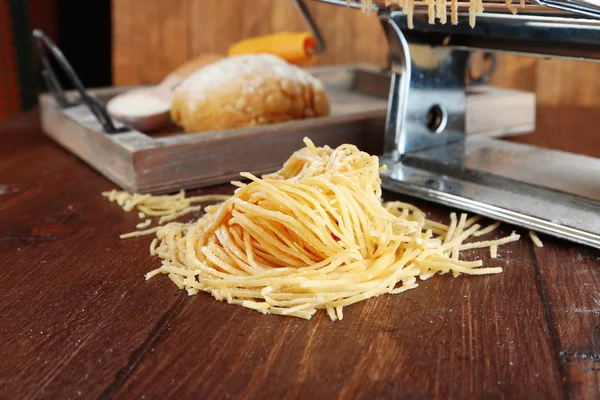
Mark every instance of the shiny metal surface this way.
pixel 572 38
pixel 587 7
pixel 401 71
pixel 547 191
pixel 436 79
pixel 536 30
pixel 532 207
pixel 481 157
pixel 566 8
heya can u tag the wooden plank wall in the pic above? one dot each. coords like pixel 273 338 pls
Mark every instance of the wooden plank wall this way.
pixel 151 40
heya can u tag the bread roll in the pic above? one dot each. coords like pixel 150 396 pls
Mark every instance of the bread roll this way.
pixel 247 90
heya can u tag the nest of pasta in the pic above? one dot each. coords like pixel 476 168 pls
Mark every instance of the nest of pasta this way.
pixel 313 235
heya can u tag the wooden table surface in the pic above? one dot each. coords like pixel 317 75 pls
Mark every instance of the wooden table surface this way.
pixel 78 320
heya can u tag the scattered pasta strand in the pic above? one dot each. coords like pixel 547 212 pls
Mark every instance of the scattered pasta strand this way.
pixel 139 233
pixel 313 235
pixel 535 239
pixel 167 207
pixel 494 251
pixel 144 224
pixel 487 230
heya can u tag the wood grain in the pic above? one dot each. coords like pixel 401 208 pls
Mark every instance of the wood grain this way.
pixel 561 130
pixel 575 314
pixel 59 307
pixel 138 162
pixel 172 160
pixel 211 26
pixel 569 277
pixel 562 82
pixel 150 41
pixel 437 341
pixel 80 321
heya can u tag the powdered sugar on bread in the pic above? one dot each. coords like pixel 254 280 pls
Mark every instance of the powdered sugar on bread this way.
pixel 247 90
pixel 255 66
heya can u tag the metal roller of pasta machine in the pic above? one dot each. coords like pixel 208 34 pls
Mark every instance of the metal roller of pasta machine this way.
pixel 426 150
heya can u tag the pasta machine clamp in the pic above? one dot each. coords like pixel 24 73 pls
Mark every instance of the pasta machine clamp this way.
pixel 426 151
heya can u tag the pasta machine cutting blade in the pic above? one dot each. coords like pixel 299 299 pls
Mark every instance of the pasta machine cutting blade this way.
pixel 426 150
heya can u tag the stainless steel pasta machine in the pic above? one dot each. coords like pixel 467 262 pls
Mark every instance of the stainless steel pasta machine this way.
pixel 426 150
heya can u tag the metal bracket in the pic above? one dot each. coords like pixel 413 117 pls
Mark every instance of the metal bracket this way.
pixel 429 156
pixel 428 93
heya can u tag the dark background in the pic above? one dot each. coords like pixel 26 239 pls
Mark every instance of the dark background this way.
pixel 82 30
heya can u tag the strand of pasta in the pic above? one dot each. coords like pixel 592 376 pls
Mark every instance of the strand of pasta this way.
pixel 313 235
pixel 167 207
pixel 438 9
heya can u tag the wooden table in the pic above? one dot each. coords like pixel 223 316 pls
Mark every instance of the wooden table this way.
pixel 78 320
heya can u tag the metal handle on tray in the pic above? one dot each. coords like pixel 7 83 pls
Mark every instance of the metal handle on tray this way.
pixel 54 86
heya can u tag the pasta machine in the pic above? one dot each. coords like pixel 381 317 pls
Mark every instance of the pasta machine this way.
pixel 426 150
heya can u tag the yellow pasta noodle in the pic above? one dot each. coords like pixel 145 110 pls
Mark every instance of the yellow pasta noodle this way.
pixel 535 239
pixel 313 235
pixel 438 9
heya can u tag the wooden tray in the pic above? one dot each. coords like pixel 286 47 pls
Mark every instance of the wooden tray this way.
pixel 171 160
